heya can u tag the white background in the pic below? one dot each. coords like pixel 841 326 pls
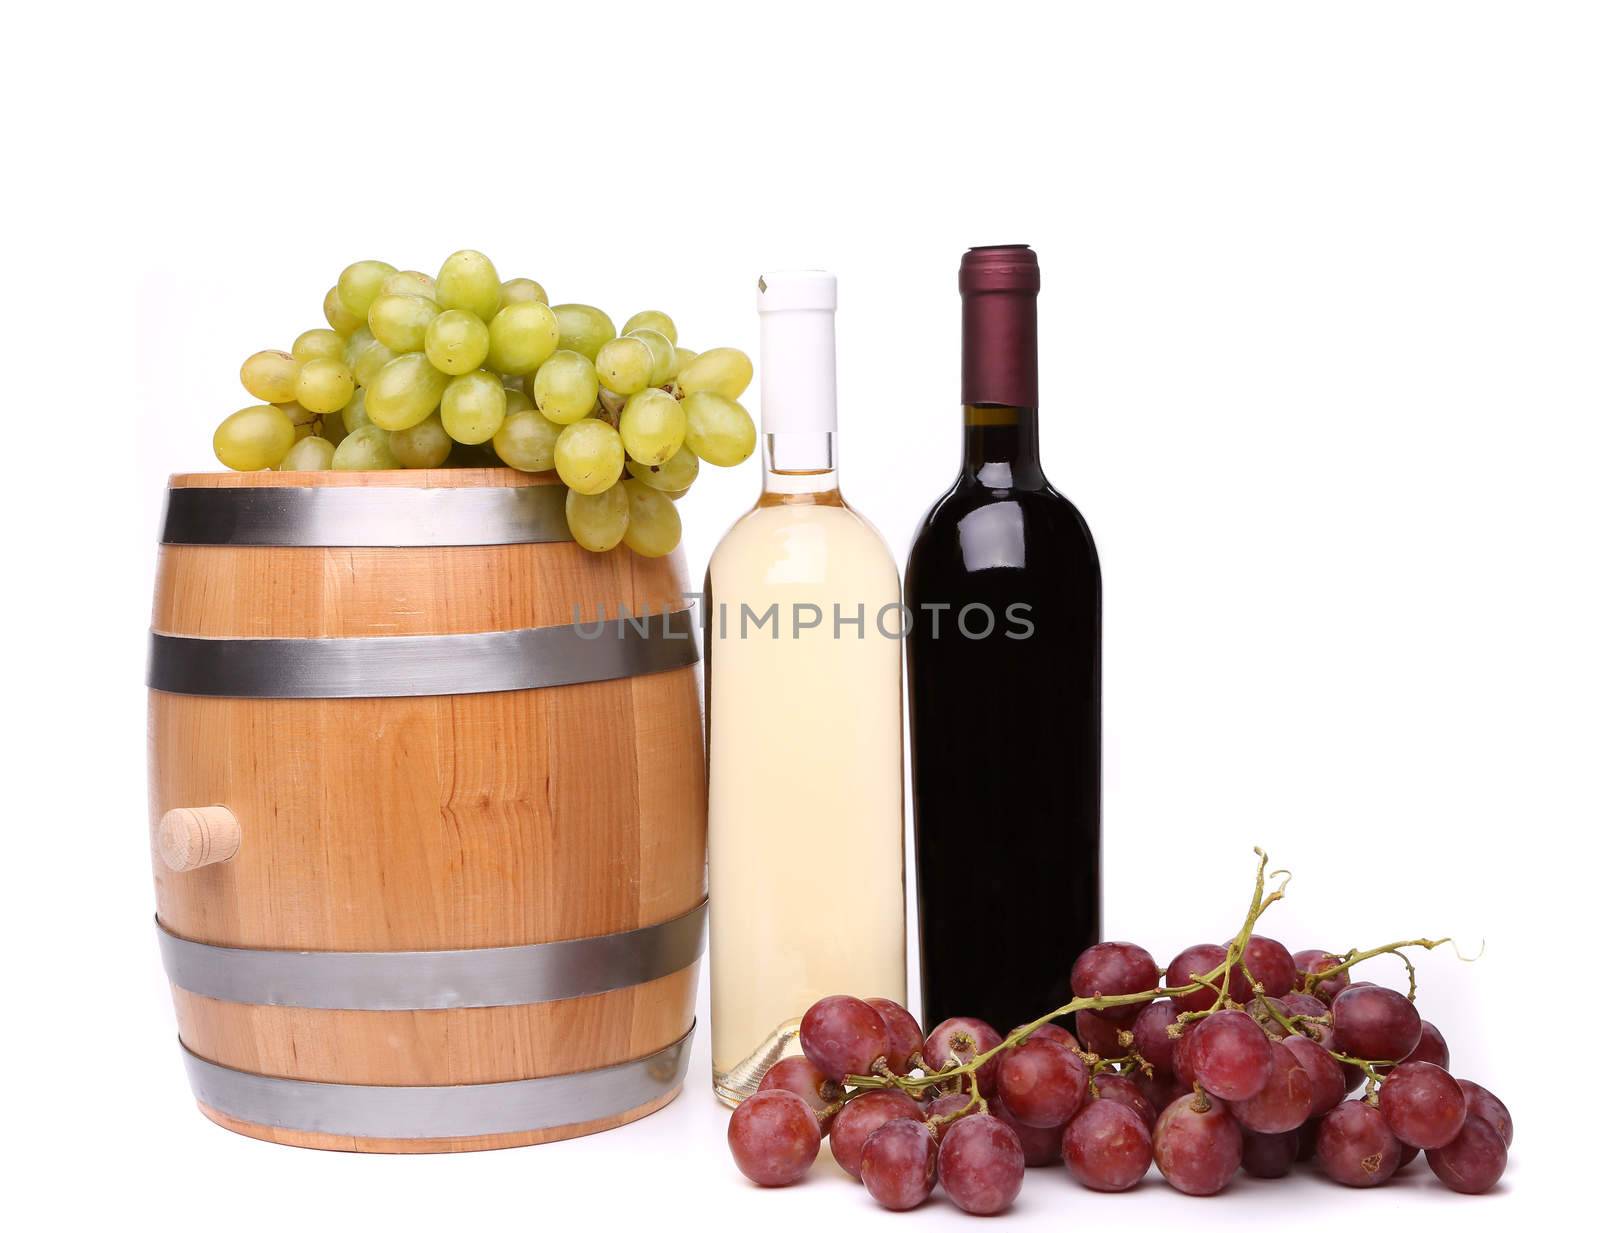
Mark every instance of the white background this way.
pixel 1320 349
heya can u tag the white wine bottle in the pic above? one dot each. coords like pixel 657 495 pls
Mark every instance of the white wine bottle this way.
pixel 803 716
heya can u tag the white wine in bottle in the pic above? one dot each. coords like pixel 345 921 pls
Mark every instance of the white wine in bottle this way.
pixel 803 715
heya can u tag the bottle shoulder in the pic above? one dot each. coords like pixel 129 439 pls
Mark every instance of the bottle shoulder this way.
pixel 1047 520
pixel 802 542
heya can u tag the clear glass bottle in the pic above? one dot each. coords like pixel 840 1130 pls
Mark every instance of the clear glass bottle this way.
pixel 803 721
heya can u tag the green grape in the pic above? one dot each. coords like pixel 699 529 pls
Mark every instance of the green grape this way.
pixel 356 344
pixel 522 336
pixel 474 407
pixel 527 441
pixel 270 376
pixel 673 476
pixel 589 456
pixel 457 341
pixel 722 370
pixel 370 362
pixel 254 439
pixel 467 281
pixel 354 414
pixel 406 391
pixel 516 400
pixel 654 527
pixel 583 328
pixel 319 345
pixel 407 282
pixel 650 319
pixel 360 284
pixel 682 357
pixel 565 387
pixel 400 322
pixel 598 521
pixel 422 445
pixel 611 406
pixel 521 290
pixel 297 414
pixel 324 385
pixel 331 427
pixel 720 430
pixel 661 352
pixel 308 454
pixel 343 321
pixel 653 425
pixel 624 365
pixel 366 449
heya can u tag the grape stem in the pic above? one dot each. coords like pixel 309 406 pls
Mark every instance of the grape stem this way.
pixel 1216 980
pixel 1350 958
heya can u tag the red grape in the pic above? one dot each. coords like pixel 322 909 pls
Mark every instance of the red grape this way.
pixel 774 1137
pixel 1159 1090
pixel 1107 1146
pixel 1198 1145
pixel 1324 1071
pixel 798 1075
pixel 1285 1102
pixel 1199 961
pixel 960 1040
pixel 1271 965
pixel 1043 1083
pixel 1100 1035
pixel 1431 1048
pixel 980 1164
pixel 1309 962
pixel 905 1033
pixel 1308 1139
pixel 1271 1155
pixel 1041 1145
pixel 1356 1146
pixel 860 1117
pixel 1481 1102
pixel 1473 1161
pixel 900 1164
pixel 1305 1004
pixel 843 1036
pixel 1120 1089
pixel 1375 1024
pixel 1407 1155
pixel 1261 1010
pixel 1150 1037
pixel 1230 1056
pixel 1423 1105
pixel 946 1106
pixel 1110 968
pixel 1182 1059
pixel 1049 1031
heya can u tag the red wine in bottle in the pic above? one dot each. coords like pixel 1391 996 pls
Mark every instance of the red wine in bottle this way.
pixel 1003 585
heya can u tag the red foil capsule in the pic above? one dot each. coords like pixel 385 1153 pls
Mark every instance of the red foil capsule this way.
pixel 1000 326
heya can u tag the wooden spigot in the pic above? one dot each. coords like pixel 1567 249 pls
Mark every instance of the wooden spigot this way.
pixel 191 838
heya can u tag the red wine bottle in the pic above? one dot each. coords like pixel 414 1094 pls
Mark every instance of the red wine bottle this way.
pixel 1003 586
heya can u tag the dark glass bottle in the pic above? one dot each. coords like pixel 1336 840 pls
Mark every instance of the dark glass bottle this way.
pixel 1003 583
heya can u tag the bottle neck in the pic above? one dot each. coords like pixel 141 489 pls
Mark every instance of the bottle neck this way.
pixel 1000 447
pixel 1000 366
pixel 800 464
pixel 799 399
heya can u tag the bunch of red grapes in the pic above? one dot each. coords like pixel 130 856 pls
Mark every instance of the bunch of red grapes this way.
pixel 1244 1058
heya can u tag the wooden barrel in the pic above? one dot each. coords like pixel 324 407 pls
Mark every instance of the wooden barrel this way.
pixel 427 810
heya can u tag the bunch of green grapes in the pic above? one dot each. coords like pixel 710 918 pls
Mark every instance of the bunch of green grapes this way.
pixel 466 370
